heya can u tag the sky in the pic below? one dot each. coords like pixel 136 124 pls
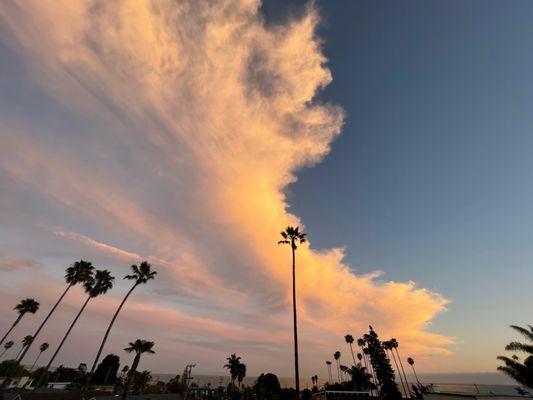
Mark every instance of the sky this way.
pixel 189 134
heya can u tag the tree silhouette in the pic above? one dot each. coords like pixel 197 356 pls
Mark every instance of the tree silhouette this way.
pixel 7 346
pixel 520 371
pixel 411 362
pixel 78 272
pixel 360 377
pixel 26 341
pixel 106 372
pixel 233 366
pixel 241 373
pixel 44 346
pixel 140 275
pixel 394 347
pixel 382 367
pixel 349 339
pixel 139 347
pixel 292 236
pixel 267 387
pixel 328 363
pixel 337 356
pixel 94 287
pixel 24 307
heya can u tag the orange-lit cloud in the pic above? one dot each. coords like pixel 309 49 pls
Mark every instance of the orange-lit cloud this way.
pixel 195 118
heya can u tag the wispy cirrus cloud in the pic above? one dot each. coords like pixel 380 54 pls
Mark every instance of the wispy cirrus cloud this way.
pixel 186 123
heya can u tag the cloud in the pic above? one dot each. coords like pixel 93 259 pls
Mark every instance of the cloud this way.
pixel 185 124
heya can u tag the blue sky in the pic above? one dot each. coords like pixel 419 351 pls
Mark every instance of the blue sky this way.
pixel 431 178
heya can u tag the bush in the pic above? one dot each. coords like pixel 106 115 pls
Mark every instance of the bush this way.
pixel 12 368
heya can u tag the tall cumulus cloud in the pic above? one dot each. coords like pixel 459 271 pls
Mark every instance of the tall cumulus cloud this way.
pixel 186 122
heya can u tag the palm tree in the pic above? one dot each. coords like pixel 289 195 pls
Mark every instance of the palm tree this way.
pixel 241 373
pixel 233 367
pixel 394 346
pixel 140 275
pixel 411 362
pixel 349 339
pixel 361 379
pixel 337 356
pixel 139 347
pixel 293 236
pixel 25 306
pixel 44 346
pixel 26 341
pixel 7 346
pixel 328 363
pixel 94 287
pixel 78 272
pixel 388 346
pixel 520 371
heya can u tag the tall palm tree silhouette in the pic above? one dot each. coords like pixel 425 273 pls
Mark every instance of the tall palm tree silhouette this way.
pixel 293 236
pixel 94 287
pixel 7 346
pixel 349 339
pixel 337 356
pixel 394 345
pixel 411 362
pixel 387 345
pixel 139 347
pixel 25 306
pixel 140 275
pixel 78 272
pixel 328 363
pixel 26 341
pixel 44 346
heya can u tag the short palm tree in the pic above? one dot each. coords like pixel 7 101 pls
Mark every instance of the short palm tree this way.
pixel 520 371
pixel 328 363
pixel 139 347
pixel 337 356
pixel 44 346
pixel 7 346
pixel 94 287
pixel 361 379
pixel 26 341
pixel 349 339
pixel 24 307
pixel 292 236
pixel 241 373
pixel 233 367
pixel 78 272
pixel 140 275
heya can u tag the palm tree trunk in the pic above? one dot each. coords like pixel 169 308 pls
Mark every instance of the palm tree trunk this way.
pixel 353 356
pixel 64 339
pixel 131 374
pixel 107 334
pixel 10 329
pixel 20 351
pixel 35 362
pixel 403 371
pixel 4 352
pixel 416 376
pixel 296 368
pixel 368 364
pixel 329 372
pixel 43 323
pixel 338 371
pixel 399 373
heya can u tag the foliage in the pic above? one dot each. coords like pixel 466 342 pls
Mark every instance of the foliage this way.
pixel 175 385
pixel 141 380
pixel 106 372
pixel 12 368
pixel 360 378
pixel 40 375
pixel 288 394
pixel 382 367
pixel 142 273
pixel 233 366
pixel 518 369
pixel 267 387
pixel 65 374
